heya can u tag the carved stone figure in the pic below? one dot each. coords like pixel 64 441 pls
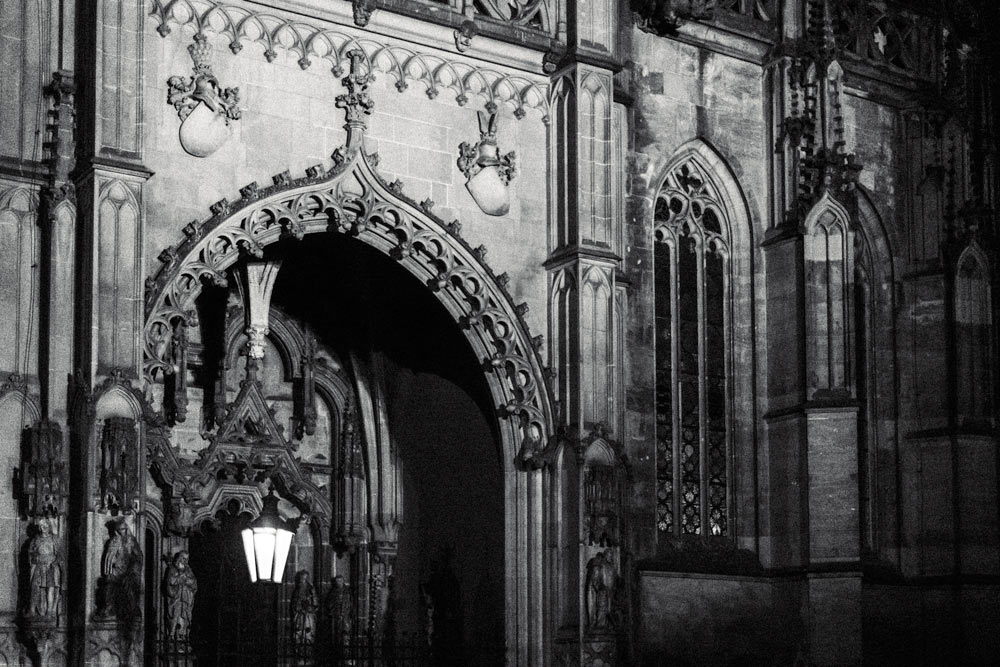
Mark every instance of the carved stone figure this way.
pixel 180 587
pixel 600 584
pixel 339 608
pixel 46 573
pixel 304 606
pixel 427 602
pixel 121 568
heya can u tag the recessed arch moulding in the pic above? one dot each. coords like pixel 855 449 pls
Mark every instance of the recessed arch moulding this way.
pixel 351 198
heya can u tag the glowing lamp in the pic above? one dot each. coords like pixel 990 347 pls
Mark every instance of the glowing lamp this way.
pixel 266 543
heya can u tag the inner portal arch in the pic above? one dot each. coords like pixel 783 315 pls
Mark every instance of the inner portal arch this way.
pixel 353 199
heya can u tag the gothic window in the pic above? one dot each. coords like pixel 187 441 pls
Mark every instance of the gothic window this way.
pixel 973 335
pixel 692 289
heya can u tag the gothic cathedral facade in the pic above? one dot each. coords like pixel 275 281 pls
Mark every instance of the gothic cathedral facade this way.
pixel 498 332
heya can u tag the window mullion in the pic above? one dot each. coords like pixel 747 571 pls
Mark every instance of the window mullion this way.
pixel 703 507
pixel 675 337
pixel 727 324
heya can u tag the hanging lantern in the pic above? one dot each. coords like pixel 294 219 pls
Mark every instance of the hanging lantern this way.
pixel 266 543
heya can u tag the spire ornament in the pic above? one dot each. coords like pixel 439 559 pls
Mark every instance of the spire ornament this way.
pixel 356 102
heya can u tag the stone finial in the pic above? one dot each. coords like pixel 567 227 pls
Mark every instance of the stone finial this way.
pixel 355 102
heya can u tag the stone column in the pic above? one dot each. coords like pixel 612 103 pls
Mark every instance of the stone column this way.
pixel 810 520
pixel 109 178
pixel 583 264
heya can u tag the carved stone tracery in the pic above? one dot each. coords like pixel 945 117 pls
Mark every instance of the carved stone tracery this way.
pixel 45 476
pixel 313 42
pixel 353 199
pixel 119 464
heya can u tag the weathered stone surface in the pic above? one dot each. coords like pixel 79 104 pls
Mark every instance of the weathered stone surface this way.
pixel 837 445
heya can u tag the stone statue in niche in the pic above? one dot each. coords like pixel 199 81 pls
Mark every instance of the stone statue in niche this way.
pixel 180 587
pixel 600 587
pixel 46 572
pixel 118 465
pixel 304 606
pixel 339 607
pixel 121 570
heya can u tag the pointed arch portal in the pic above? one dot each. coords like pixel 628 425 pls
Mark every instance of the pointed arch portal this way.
pixel 353 200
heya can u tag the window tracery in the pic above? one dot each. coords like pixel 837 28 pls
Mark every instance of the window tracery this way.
pixel 692 287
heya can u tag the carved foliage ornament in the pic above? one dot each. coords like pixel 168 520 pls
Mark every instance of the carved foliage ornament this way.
pixel 356 102
pixel 204 107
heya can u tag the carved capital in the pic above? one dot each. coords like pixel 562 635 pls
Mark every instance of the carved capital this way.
pixel 42 638
pixel 258 340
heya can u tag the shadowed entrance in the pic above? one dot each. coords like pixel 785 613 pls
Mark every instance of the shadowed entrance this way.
pixel 234 622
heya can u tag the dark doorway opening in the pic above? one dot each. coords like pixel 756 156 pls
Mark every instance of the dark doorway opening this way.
pixel 234 621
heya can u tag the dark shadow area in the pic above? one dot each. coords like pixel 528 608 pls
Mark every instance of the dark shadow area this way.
pixel 234 622
pixel 449 571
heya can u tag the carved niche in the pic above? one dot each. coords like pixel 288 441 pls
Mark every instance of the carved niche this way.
pixel 120 587
pixel 602 490
pixel 119 464
pixel 45 471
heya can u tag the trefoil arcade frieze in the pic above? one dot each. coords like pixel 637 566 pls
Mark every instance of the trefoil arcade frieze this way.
pixel 314 41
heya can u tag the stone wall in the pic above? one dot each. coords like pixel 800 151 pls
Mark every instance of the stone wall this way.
pixel 290 122
pixel 699 619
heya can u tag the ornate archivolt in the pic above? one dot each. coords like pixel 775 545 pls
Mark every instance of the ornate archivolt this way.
pixel 351 198
pixel 312 42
